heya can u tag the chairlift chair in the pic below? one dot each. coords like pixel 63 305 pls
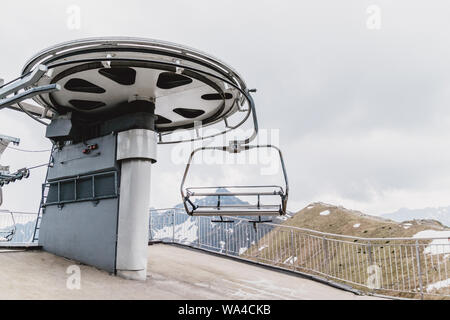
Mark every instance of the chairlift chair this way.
pixel 271 200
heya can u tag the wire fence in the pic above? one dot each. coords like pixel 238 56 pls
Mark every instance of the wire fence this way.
pixel 405 267
pixel 16 227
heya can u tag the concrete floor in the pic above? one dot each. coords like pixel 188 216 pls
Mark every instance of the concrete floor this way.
pixel 174 273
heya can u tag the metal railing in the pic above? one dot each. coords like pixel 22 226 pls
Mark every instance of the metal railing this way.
pixel 18 225
pixel 404 267
pixel 407 267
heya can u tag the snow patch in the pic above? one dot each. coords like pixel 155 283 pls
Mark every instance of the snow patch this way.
pixel 325 213
pixel 163 233
pixel 438 285
pixel 290 260
pixel 437 246
pixel 185 232
pixel 242 250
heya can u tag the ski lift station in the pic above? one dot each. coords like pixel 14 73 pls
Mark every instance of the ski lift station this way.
pixel 107 103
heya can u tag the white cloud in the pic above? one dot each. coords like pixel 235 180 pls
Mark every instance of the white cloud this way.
pixel 363 115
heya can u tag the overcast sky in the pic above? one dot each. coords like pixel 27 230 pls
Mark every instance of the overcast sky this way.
pixel 362 105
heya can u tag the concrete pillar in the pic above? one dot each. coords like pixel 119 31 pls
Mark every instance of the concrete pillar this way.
pixel 136 150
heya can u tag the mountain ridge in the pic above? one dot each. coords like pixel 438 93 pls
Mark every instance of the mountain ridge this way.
pixel 441 214
pixel 335 219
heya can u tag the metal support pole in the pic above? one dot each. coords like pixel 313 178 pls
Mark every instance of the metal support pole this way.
pixel 327 259
pixel 257 239
pixel 198 232
pixel 136 150
pixel 293 252
pixel 227 238
pixel 419 269
pixel 173 226
pixel 369 249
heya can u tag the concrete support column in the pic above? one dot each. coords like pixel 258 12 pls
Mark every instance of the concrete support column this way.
pixel 136 150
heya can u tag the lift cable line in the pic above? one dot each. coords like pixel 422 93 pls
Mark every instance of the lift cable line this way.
pixel 38 166
pixel 109 102
pixel 24 150
pixel 28 113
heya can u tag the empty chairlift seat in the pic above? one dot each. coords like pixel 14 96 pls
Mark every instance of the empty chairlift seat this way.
pixel 260 200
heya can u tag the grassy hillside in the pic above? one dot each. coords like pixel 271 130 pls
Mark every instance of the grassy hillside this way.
pixel 355 223
pixel 340 258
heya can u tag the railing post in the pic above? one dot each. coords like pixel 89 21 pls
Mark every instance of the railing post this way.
pixel 293 251
pixel 150 225
pixel 198 232
pixel 248 235
pixel 227 242
pixel 325 249
pixel 419 270
pixel 173 226
pixel 369 249
pixel 370 258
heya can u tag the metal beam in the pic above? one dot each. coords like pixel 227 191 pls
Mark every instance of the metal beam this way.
pixel 27 94
pixel 23 82
pixel 35 110
pixel 16 141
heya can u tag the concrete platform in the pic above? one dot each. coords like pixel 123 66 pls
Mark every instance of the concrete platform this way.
pixel 174 273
